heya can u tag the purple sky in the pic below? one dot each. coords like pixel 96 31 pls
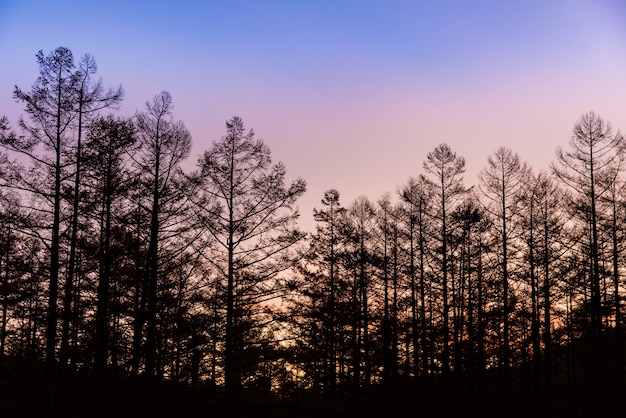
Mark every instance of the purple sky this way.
pixel 349 95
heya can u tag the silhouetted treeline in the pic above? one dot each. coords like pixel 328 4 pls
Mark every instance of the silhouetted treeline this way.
pixel 123 277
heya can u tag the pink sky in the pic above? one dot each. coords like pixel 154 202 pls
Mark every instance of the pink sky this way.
pixel 349 95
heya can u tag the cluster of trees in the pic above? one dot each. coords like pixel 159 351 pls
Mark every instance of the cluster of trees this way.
pixel 113 259
pixel 449 285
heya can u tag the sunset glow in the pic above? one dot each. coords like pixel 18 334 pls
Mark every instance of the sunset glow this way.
pixel 350 95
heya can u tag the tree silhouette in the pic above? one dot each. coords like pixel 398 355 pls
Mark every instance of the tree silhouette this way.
pixel 248 213
pixel 90 99
pixel 164 143
pixel 502 183
pixel 50 107
pixel 444 173
pixel 108 141
pixel 594 151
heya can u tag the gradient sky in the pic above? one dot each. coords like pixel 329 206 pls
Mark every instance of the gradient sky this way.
pixel 349 95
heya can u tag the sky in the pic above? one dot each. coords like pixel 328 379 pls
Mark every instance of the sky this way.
pixel 350 95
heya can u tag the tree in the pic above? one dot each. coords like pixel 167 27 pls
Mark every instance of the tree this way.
pixel 108 140
pixel 324 254
pixel 248 212
pixel 594 150
pixel 50 106
pixel 417 198
pixel 361 222
pixel 164 144
pixel 502 183
pixel 388 230
pixel 444 173
pixel 13 265
pixel 471 224
pixel 614 199
pixel 545 216
pixel 90 99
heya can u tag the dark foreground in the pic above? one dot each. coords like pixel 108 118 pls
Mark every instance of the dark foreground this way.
pixel 22 395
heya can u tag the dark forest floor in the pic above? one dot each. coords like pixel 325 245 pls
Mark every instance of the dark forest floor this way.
pixel 21 388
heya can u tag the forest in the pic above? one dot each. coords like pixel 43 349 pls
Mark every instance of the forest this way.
pixel 132 287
